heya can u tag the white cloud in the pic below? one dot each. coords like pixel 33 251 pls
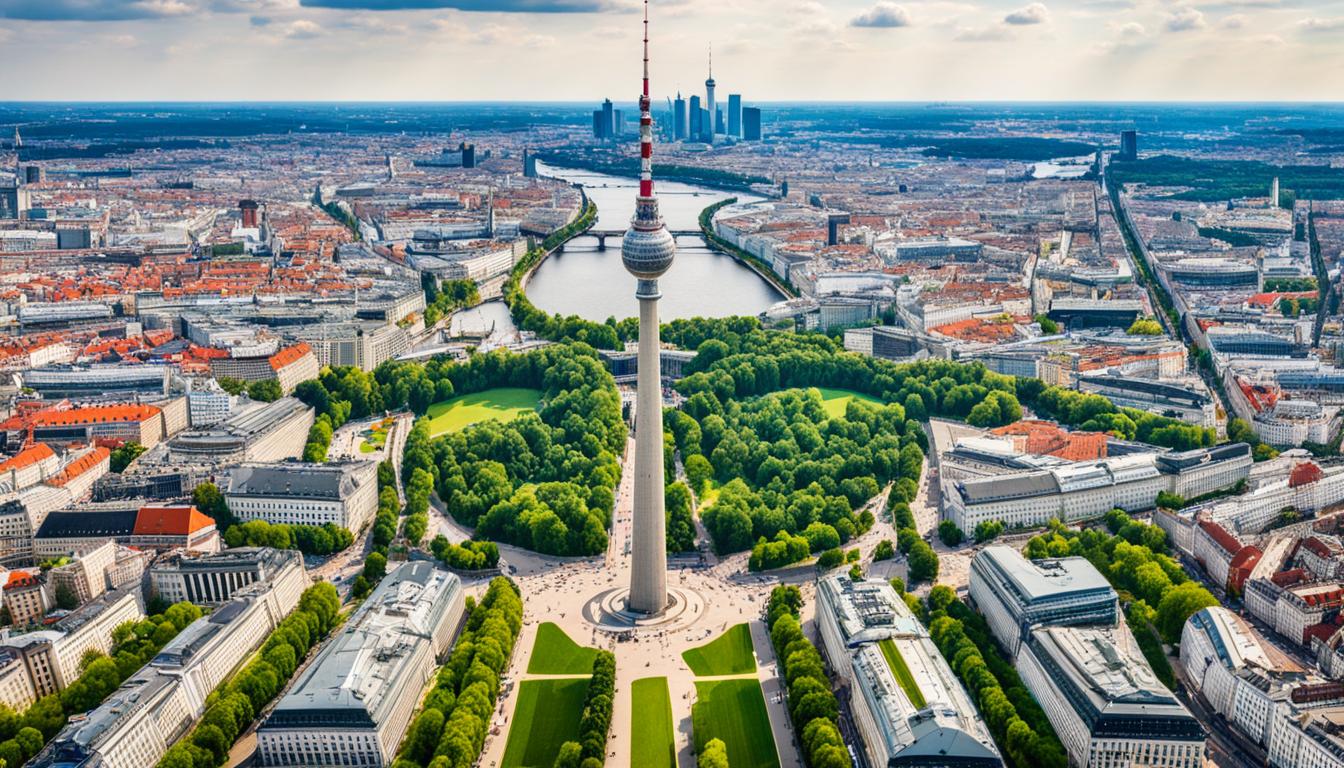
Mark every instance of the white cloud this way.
pixel 882 15
pixel 1317 24
pixel 1185 20
pixel 121 41
pixel 1131 31
pixel 1036 13
pixel 303 29
pixel 1235 21
pixel 991 34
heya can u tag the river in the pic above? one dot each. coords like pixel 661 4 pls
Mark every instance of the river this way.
pixel 582 280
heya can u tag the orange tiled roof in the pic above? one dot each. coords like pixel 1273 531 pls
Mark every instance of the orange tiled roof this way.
pixel 98 414
pixel 289 355
pixel 81 465
pixel 27 457
pixel 170 521
pixel 20 579
pixel 1043 438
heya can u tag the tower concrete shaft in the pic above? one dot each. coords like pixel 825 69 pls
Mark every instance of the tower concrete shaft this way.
pixel 647 252
pixel 648 577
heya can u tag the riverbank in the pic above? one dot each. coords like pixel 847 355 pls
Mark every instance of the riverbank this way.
pixel 761 269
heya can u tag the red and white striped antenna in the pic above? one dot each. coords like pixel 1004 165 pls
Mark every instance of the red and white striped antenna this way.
pixel 645 122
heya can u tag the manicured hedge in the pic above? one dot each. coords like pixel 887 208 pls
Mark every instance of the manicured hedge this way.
pixel 812 704
pixel 591 747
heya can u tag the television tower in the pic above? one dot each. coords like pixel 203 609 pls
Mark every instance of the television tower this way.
pixel 647 252
pixel 709 100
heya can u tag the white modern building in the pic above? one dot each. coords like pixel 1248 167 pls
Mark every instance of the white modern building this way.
pixel 50 658
pixel 1015 594
pixel 1088 489
pixel 1104 701
pixel 1293 717
pixel 341 493
pixel 213 579
pixel 910 717
pixel 353 704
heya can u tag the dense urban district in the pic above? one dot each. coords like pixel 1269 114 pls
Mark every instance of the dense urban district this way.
pixel 327 437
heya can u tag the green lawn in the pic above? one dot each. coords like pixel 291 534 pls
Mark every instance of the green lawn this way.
pixel 651 744
pixel 836 400
pixel 547 716
pixel 505 403
pixel 901 671
pixel 554 653
pixel 728 654
pixel 734 710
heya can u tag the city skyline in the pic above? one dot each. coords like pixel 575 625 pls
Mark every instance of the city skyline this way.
pixel 523 50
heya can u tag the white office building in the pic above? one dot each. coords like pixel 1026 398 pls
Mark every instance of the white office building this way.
pixel 353 704
pixel 342 493
pixel 212 579
pixel 1105 702
pixel 921 713
pixel 1015 594
pixel 1089 489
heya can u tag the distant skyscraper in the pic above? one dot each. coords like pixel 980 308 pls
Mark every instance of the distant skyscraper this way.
pixel 693 132
pixel 751 123
pixel 706 127
pixel 719 126
pixel 710 106
pixel 598 133
pixel 617 123
pixel 608 120
pixel 735 115
pixel 529 164
pixel 10 192
pixel 680 125
pixel 1129 145
pixel 1274 193
pixel 647 251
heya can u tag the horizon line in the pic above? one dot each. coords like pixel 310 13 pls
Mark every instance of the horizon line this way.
pixel 598 100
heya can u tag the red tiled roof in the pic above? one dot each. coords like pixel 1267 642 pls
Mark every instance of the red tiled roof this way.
pixel 1290 577
pixel 170 521
pixel 1320 548
pixel 1304 473
pixel 27 457
pixel 1221 537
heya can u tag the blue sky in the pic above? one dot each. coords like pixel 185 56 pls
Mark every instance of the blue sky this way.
pixel 770 50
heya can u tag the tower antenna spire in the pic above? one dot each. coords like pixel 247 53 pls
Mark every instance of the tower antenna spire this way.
pixel 711 60
pixel 646 48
